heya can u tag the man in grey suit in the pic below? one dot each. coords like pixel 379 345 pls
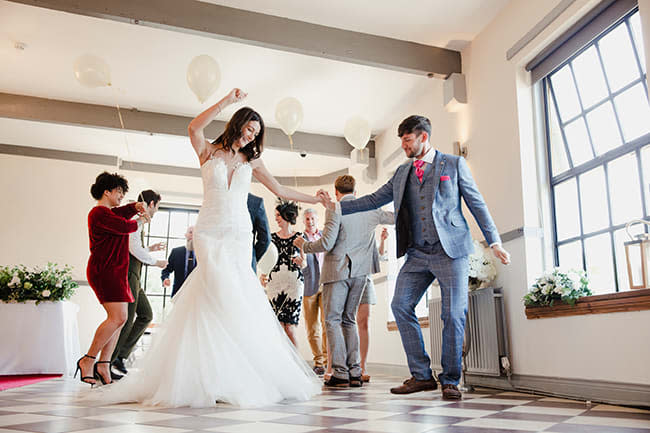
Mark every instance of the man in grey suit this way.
pixel 351 255
pixel 433 233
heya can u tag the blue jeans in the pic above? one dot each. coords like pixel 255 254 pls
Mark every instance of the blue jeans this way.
pixel 419 271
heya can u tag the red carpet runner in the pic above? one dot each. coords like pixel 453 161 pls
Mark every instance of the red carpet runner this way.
pixel 7 382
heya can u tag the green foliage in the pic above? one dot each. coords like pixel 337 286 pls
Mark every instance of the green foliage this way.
pixel 18 284
pixel 558 285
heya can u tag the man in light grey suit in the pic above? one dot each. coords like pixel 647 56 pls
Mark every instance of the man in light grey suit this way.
pixel 433 233
pixel 351 255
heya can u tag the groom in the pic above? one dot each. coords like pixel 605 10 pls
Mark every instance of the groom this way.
pixel 433 233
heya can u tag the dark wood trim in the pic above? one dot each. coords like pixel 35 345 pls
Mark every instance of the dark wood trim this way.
pixel 633 300
pixel 424 323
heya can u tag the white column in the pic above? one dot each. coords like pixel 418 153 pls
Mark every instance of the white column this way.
pixel 644 12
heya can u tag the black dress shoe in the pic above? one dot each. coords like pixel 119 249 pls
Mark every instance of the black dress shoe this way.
pixel 115 376
pixel 356 382
pixel 119 365
pixel 337 383
pixel 319 370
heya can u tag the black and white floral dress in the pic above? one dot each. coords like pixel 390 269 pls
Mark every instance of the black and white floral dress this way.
pixel 286 282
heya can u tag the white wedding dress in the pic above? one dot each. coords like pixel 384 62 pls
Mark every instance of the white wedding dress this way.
pixel 221 341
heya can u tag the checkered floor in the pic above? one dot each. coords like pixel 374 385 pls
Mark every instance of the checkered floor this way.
pixel 53 407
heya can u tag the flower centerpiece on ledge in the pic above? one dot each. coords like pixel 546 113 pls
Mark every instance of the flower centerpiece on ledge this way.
pixel 481 269
pixel 18 284
pixel 558 285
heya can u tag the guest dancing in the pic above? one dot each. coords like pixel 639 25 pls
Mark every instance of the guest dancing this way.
pixel 285 282
pixel 108 229
pixel 139 311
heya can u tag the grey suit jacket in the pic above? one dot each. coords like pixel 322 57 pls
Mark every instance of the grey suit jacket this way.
pixel 453 181
pixel 349 243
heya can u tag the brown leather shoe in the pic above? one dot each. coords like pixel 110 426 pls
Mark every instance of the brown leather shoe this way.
pixel 365 378
pixel 413 385
pixel 451 392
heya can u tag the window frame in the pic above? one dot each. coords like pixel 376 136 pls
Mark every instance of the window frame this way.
pixel 166 294
pixel 633 147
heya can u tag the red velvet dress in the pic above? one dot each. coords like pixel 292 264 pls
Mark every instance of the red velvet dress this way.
pixel 108 265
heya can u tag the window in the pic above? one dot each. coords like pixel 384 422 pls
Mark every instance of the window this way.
pixel 598 137
pixel 169 226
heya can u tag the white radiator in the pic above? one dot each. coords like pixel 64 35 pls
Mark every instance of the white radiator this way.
pixel 486 338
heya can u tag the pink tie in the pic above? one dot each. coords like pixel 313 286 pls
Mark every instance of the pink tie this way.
pixel 418 163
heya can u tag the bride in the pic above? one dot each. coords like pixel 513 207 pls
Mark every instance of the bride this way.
pixel 221 341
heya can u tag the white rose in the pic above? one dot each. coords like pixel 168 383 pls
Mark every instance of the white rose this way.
pixel 15 281
pixel 59 284
pixel 546 290
pixel 45 293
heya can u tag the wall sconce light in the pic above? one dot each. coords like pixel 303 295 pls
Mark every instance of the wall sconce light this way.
pixel 454 92
pixel 460 149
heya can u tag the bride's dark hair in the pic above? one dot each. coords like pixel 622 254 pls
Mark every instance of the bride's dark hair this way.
pixel 252 150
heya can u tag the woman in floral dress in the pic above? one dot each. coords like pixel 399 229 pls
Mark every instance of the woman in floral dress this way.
pixel 285 283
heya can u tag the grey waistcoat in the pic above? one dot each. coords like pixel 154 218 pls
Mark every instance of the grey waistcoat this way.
pixel 419 200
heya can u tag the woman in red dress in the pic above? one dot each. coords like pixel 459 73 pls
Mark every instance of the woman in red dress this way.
pixel 108 228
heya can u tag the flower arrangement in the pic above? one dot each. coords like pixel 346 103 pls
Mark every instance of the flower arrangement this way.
pixel 18 284
pixel 558 285
pixel 481 268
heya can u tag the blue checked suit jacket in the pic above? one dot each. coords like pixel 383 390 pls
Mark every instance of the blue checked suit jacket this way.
pixel 451 225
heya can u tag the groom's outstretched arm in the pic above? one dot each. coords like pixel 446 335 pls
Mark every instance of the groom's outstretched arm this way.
pixel 375 200
pixel 476 204
pixel 329 236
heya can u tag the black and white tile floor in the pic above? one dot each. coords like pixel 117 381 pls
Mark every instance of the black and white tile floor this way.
pixel 54 407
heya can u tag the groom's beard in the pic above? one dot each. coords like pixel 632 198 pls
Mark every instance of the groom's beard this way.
pixel 189 245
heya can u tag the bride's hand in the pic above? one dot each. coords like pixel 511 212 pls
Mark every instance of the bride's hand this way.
pixel 236 95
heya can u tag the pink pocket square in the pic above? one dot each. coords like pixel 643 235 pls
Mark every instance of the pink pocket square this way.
pixel 444 177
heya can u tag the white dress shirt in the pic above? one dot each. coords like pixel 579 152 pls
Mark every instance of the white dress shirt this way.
pixel 138 250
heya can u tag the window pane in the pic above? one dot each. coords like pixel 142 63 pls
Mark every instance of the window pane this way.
pixel 590 78
pixel 193 217
pixel 559 161
pixel 620 237
pixel 633 112
pixel 157 308
pixel 153 283
pixel 158 225
pixel 567 218
pixel 595 215
pixel 578 141
pixel 178 224
pixel 625 191
pixel 570 255
pixel 565 93
pixel 599 264
pixel 603 128
pixel 635 22
pixel 618 58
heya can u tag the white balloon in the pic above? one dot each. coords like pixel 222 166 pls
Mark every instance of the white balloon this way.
pixel 357 132
pixel 288 113
pixel 203 76
pixel 91 71
pixel 268 260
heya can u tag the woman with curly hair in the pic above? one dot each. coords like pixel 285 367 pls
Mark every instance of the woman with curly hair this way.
pixel 109 226
pixel 285 282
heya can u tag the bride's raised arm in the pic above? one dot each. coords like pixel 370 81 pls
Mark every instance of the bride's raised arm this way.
pixel 200 122
pixel 262 174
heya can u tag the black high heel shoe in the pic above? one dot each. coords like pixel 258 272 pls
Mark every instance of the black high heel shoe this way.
pixel 78 370
pixel 99 376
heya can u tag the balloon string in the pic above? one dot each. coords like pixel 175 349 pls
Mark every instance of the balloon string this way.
pixel 126 141
pixel 295 178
